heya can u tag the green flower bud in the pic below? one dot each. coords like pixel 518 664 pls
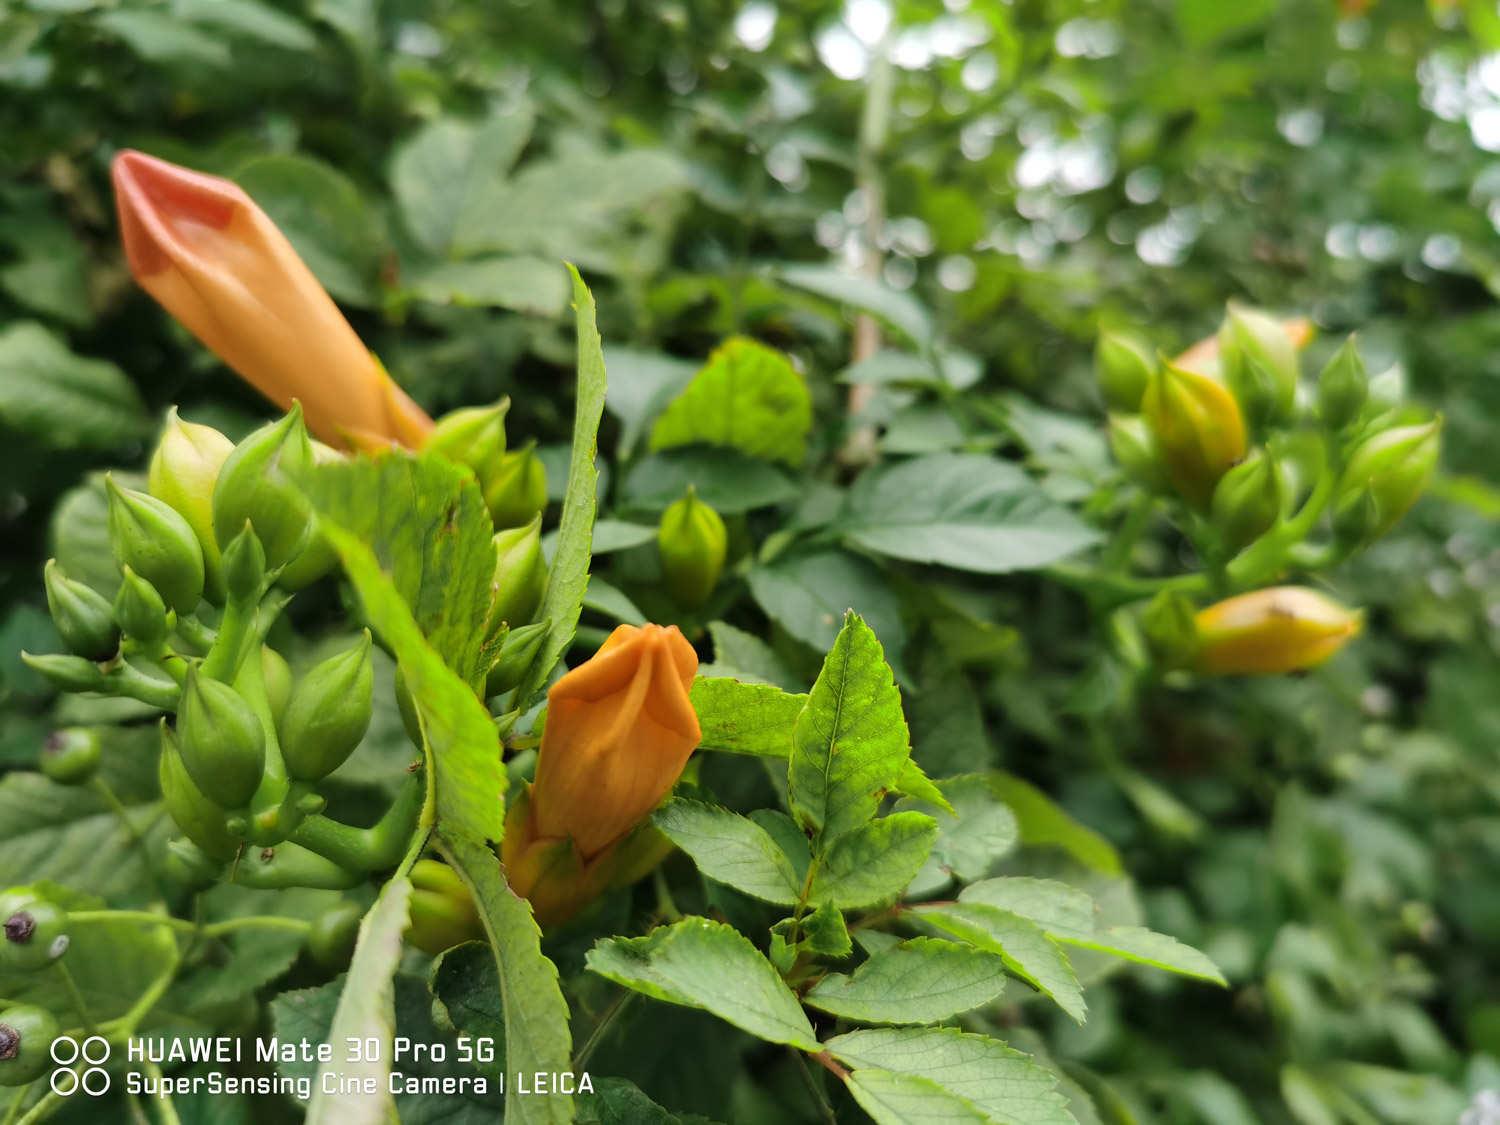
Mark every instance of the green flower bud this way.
pixel 277 675
pixel 691 541
pixel 473 436
pixel 183 471
pixel 1134 449
pixel 1259 363
pixel 517 652
pixel 1198 428
pixel 319 558
pixel 189 866
pixel 1389 470
pixel 221 741
pixel 244 564
pixel 1123 366
pixel 442 910
pixel 140 610
pixel 1247 501
pixel 156 543
pixel 261 482
pixel 82 615
pixel 328 713
pixel 1343 387
pixel 1170 629
pixel 69 673
pixel 196 817
pixel 520 574
pixel 26 1036
pixel 33 932
pixel 330 942
pixel 70 756
pixel 406 706
pixel 517 490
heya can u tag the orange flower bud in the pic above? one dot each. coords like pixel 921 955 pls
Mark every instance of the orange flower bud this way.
pixel 216 262
pixel 1283 629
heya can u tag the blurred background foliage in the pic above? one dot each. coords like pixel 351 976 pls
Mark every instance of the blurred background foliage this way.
pixel 992 183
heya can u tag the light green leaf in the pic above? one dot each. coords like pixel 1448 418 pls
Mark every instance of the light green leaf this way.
pixel 61 399
pixel 850 740
pixel 745 656
pixel 807 595
pixel 730 849
pixel 874 862
pixel 741 718
pixel 603 598
pixel 529 285
pixel 1002 1082
pixel 900 310
pixel 248 19
pixel 924 980
pixel 913 782
pixel 1146 947
pixel 905 1099
pixel 159 37
pixel 536 1015
pixel 569 576
pixel 447 174
pixel 367 1010
pixel 708 965
pixel 981 832
pixel 641 383
pixel 1043 822
pixel 1063 911
pixel 728 481
pixel 747 397
pixel 961 510
pixel 79 533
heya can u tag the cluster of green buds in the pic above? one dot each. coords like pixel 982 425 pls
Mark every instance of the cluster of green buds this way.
pixel 1268 474
pixel 208 557
pixel 513 483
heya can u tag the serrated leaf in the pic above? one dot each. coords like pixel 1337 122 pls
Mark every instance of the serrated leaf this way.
pixel 913 782
pixel 825 932
pixel 1000 1081
pixel 873 863
pixel 746 397
pixel 807 595
pixel 906 1099
pixel 923 980
pixel 64 400
pixel 726 480
pixel 536 1015
pixel 466 996
pixel 1043 822
pixel 730 849
pixel 741 718
pixel 980 831
pixel 850 739
pixel 1062 911
pixel 709 965
pixel 1146 947
pixel 961 510
pixel 617 1101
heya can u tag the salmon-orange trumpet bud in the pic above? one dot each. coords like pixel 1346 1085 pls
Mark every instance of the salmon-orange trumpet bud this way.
pixel 216 262
pixel 1283 629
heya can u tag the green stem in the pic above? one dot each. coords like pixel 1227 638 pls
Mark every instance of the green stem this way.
pixel 75 997
pixel 185 925
pixel 376 848
pixel 1117 556
pixel 1267 556
pixel 606 1021
pixel 127 680
pixel 820 1099
pixel 165 1107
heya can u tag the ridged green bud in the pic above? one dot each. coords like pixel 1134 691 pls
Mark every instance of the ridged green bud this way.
pixel 692 542
pixel 244 565
pixel 517 652
pixel 1343 387
pixel 319 558
pixel 1134 449
pixel 1259 363
pixel 189 866
pixel 221 741
pixel 520 577
pixel 260 482
pixel 473 436
pixel 1198 428
pixel 276 673
pixel 70 673
pixel 1247 501
pixel 328 713
pixel 71 756
pixel 1170 630
pixel 1123 365
pixel 196 817
pixel 140 610
pixel 1386 475
pixel 517 491
pixel 82 615
pixel 156 543
pixel 182 474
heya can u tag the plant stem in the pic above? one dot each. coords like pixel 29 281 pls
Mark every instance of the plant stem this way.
pixel 1117 555
pixel 184 925
pixel 820 1099
pixel 606 1021
pixel 75 997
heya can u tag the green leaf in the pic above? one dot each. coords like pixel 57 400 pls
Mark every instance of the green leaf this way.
pixel 740 718
pixel 1027 951
pixel 730 849
pixel 641 383
pixel 980 831
pixel 79 532
pixel 159 37
pixel 728 481
pixel 913 782
pixel 1204 22
pixel 536 1015
pixel 807 595
pixel 568 579
pixel 447 174
pixel 961 510
pixel 367 1010
pixel 528 285
pixel 708 965
pixel 998 1080
pixel 900 310
pixel 617 1101
pixel 63 400
pixel 850 740
pixel 1146 947
pixel 747 397
pixel 744 656
pixel 905 1099
pixel 248 20
pixel 924 980
pixel 1043 822
pixel 874 862
pixel 613 603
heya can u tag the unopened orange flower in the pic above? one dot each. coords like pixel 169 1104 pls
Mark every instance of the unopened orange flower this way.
pixel 216 262
pixel 1282 629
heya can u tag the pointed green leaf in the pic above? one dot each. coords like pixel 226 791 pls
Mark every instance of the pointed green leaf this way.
pixel 874 863
pixel 730 849
pixel 1044 822
pixel 905 1099
pixel 67 401
pixel 1146 947
pixel 741 718
pixel 924 980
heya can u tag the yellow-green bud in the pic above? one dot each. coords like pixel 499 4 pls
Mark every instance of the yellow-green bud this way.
pixel 692 542
pixel 1247 501
pixel 261 482
pixel 277 676
pixel 442 909
pixel 140 610
pixel 520 575
pixel 221 741
pixel 1134 449
pixel 156 543
pixel 1123 366
pixel 473 436
pixel 328 713
pixel 1198 429
pixel 197 817
pixel 1385 475
pixel 517 490
pixel 82 615
pixel 517 652
pixel 183 471
pixel 1343 387
pixel 189 866
pixel 71 756
pixel 1170 632
pixel 1259 364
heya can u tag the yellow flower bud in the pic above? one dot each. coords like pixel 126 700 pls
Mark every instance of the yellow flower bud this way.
pixel 1198 428
pixel 1282 629
pixel 182 474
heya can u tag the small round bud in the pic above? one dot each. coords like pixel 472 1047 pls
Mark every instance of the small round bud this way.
pixel 157 543
pixel 244 564
pixel 442 910
pixel 330 942
pixel 692 542
pixel 26 1036
pixel 1343 387
pixel 140 610
pixel 260 482
pixel 328 713
pixel 517 491
pixel 1284 629
pixel 82 615
pixel 71 756
pixel 1123 366
pixel 1167 623
pixel 221 741
pixel 33 934
pixel 520 577
pixel 1247 500
pixel 182 474
pixel 198 818
pixel 1259 363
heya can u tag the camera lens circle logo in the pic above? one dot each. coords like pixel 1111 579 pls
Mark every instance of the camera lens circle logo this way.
pixel 93 1080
